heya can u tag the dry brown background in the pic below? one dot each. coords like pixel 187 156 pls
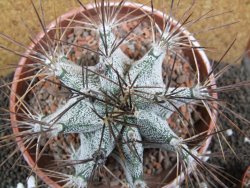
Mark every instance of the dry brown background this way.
pixel 12 12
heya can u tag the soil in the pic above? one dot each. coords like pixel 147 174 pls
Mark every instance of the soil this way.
pixel 234 165
pixel 154 162
pixel 9 175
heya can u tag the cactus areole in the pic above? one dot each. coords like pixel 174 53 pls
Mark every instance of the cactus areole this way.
pixel 118 104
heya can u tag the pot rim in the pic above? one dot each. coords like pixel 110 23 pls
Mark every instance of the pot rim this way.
pixel 41 35
pixel 246 173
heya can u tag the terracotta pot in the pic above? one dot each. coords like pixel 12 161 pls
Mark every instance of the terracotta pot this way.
pixel 18 87
pixel 246 58
pixel 245 182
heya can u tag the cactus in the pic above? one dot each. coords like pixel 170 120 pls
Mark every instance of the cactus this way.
pixel 119 104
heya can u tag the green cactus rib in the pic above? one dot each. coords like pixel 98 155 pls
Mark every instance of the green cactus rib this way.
pixel 120 103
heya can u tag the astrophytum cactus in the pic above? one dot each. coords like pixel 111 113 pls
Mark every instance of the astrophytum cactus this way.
pixel 119 106
pixel 118 103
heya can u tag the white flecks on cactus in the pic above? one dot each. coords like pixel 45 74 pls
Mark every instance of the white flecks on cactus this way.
pixel 71 74
pixel 113 62
pixel 148 70
pixel 95 146
pixel 133 152
pixel 76 181
pixel 76 116
pixel 118 102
